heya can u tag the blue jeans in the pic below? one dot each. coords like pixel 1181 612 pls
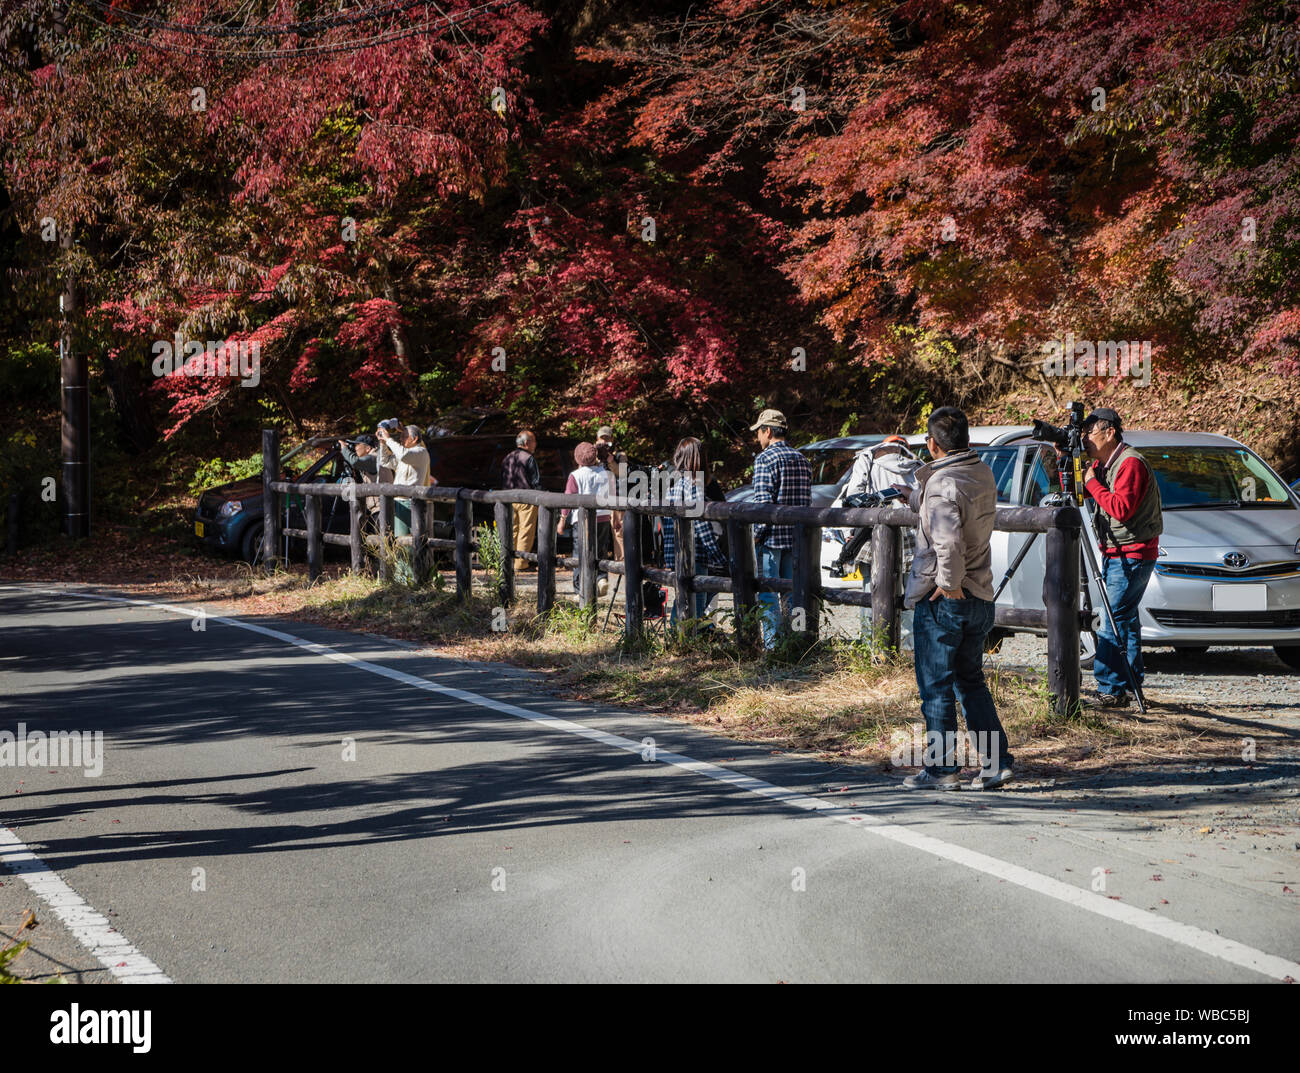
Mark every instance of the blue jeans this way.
pixel 1126 581
pixel 774 562
pixel 948 650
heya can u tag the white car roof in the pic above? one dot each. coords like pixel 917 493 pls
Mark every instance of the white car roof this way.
pixel 1142 437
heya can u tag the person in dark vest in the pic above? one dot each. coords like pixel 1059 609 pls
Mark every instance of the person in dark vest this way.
pixel 1129 522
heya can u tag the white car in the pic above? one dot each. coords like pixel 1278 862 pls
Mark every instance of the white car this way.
pixel 1228 572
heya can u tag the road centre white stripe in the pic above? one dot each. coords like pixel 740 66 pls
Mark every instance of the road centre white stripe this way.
pixel 1205 942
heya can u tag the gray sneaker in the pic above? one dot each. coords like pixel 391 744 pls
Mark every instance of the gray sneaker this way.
pixel 992 780
pixel 925 780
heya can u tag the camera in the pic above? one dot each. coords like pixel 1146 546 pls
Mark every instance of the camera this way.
pixel 1069 442
pixel 860 500
pixel 872 499
pixel 1063 439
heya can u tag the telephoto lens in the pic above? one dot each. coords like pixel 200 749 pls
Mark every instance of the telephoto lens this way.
pixel 1053 435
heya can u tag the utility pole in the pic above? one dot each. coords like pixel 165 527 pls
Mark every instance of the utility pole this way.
pixel 74 375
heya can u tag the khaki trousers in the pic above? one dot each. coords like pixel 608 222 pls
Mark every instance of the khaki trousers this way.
pixel 525 526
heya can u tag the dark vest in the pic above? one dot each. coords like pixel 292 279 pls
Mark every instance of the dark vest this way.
pixel 1148 522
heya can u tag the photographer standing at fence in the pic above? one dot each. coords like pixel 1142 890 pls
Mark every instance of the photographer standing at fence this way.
pixel 1129 523
pixel 519 470
pixel 411 466
pixel 950 590
pixel 781 476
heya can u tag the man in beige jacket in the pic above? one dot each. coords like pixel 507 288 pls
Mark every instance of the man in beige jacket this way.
pixel 950 590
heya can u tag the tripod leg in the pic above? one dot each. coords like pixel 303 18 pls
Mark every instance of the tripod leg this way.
pixel 1110 619
pixel 1015 564
pixel 618 580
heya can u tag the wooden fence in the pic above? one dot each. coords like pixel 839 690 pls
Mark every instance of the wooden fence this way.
pixel 1062 618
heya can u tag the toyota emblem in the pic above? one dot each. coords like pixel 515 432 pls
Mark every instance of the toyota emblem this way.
pixel 1235 560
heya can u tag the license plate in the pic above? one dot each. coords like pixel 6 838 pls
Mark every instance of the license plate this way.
pixel 1239 597
pixel 198 529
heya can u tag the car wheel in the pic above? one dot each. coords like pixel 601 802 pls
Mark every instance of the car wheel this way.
pixel 1087 650
pixel 251 547
pixel 1289 654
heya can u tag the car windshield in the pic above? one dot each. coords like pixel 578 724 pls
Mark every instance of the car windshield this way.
pixel 830 465
pixel 1198 477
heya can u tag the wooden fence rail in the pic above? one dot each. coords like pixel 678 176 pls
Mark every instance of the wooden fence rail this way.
pixel 1062 618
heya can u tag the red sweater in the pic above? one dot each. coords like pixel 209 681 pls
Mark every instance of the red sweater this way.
pixel 1128 488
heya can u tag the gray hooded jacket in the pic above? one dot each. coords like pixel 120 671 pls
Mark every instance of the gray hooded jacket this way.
pixel 957 499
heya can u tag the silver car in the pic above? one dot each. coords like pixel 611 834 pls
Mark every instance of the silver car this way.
pixel 1228 572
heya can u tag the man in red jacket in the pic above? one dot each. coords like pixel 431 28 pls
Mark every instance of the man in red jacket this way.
pixel 1129 523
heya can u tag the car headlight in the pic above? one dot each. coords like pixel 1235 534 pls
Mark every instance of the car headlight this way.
pixel 230 509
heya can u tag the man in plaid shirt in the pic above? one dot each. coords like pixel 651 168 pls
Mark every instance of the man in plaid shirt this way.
pixel 781 476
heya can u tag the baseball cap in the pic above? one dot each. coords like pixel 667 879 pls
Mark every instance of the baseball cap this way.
pixel 604 433
pixel 774 418
pixel 1103 413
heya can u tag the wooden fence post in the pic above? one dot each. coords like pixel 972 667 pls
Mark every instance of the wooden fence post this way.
pixel 587 556
pixel 886 561
pixel 805 595
pixel 1061 601
pixel 504 515
pixel 270 499
pixel 311 507
pixel 684 567
pixel 385 535
pixel 464 573
pixel 545 559
pixel 740 559
pixel 419 540
pixel 633 577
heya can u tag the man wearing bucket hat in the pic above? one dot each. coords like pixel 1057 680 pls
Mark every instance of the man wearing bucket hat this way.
pixel 781 476
pixel 1129 523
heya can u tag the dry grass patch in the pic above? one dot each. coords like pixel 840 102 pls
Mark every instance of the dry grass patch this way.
pixel 839 699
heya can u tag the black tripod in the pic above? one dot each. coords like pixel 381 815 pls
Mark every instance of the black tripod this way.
pixel 1071 467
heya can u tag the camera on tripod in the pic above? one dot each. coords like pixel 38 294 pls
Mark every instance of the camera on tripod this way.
pixel 1069 438
pixel 1069 442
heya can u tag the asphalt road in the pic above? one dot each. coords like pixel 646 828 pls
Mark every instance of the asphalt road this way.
pixel 485 831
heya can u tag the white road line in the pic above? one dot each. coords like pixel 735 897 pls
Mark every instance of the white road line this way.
pixel 1199 939
pixel 90 928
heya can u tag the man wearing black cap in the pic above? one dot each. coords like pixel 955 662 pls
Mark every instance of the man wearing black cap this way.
pixel 1129 523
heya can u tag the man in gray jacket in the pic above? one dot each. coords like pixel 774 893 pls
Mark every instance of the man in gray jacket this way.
pixel 950 590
